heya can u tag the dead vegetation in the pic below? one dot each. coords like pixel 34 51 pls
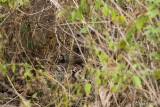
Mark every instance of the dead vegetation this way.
pixel 79 53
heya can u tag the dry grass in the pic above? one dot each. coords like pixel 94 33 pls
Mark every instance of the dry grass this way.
pixel 95 51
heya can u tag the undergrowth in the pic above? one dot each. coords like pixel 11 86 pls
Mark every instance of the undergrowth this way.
pixel 113 59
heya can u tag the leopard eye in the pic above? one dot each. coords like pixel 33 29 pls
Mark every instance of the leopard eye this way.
pixel 50 37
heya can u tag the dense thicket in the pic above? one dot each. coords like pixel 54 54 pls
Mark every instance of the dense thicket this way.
pixel 91 53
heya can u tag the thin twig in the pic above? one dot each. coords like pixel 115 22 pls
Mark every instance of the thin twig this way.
pixel 24 100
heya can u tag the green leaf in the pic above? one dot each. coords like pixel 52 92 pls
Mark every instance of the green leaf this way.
pixel 83 30
pixel 60 13
pixel 3 70
pixel 20 2
pixel 120 1
pixel 13 67
pixel 96 52
pixel 103 57
pixel 152 37
pixel 113 14
pixel 98 4
pixel 153 55
pixel 79 13
pixel 99 26
pixel 34 95
pixel 98 73
pixel 129 35
pixel 156 74
pixel 3 0
pixel 105 82
pixel 117 79
pixel 27 71
pixel 78 90
pixel 156 30
pixel 114 88
pixel 147 32
pixel 97 81
pixel 26 2
pixel 153 13
pixel 136 80
pixel 134 66
pixel 122 44
pixel 118 67
pixel 91 71
pixel 140 22
pixel 74 16
pixel 158 22
pixel 120 19
pixel 87 88
pixel 105 10
pixel 10 4
pixel 111 45
pixel 81 2
pixel 86 9
pixel 151 7
pixel 150 105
